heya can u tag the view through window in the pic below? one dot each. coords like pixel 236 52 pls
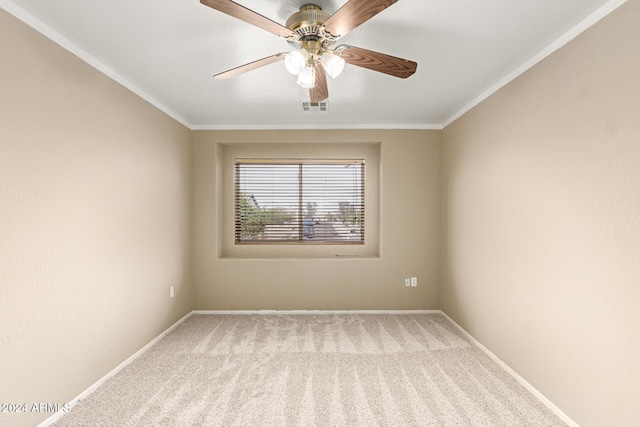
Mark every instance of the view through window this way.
pixel 299 201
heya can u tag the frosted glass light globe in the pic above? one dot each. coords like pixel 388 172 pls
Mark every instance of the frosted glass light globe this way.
pixel 307 77
pixel 332 63
pixel 295 61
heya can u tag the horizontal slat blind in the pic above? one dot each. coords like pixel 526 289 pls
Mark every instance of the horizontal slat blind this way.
pixel 299 201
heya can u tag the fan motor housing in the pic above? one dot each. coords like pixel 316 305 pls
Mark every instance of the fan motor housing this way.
pixel 307 22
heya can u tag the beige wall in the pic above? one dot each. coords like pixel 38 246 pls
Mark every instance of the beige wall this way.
pixel 408 233
pixel 542 185
pixel 94 222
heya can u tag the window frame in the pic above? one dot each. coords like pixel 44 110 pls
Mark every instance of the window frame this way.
pixel 261 146
pixel 299 220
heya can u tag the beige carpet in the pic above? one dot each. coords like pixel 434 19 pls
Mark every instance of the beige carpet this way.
pixel 312 370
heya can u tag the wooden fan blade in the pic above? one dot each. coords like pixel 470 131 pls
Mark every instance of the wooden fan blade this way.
pixel 377 61
pixel 250 66
pixel 319 92
pixel 354 13
pixel 248 15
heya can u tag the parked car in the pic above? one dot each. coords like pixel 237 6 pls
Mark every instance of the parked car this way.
pixel 307 228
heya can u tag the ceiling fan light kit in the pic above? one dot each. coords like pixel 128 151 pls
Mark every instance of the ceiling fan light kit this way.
pixel 313 32
pixel 312 44
pixel 301 63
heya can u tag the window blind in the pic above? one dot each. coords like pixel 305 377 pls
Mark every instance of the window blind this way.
pixel 299 201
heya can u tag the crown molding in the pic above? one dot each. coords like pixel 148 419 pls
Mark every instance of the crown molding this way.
pixel 369 126
pixel 596 16
pixel 67 44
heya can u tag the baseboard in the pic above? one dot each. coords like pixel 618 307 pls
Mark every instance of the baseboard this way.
pixel 117 369
pixel 316 311
pixel 564 417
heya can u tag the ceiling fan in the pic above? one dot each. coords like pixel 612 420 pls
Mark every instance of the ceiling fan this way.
pixel 313 32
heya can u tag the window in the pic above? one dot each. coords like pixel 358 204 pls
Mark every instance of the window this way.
pixel 299 201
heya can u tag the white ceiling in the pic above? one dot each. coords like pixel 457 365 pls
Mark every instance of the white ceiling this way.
pixel 167 51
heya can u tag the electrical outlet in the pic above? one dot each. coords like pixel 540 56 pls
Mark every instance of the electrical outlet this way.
pixel 171 292
pixel 407 282
pixel 414 281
